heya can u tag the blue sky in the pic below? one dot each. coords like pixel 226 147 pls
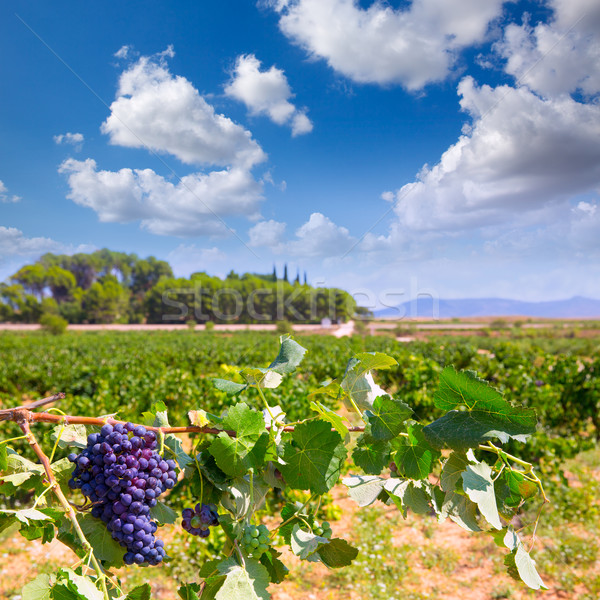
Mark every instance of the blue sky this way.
pixel 449 146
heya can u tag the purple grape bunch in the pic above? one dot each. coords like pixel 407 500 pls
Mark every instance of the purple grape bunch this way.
pixel 198 520
pixel 123 475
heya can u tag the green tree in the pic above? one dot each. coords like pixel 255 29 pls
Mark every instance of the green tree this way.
pixel 106 301
pixel 33 278
pixel 62 283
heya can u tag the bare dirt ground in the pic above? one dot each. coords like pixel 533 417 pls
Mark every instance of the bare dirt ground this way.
pixel 444 562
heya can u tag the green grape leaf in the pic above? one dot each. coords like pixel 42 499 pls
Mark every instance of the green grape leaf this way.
pixel 141 592
pixel 358 382
pixel 304 543
pixel 290 356
pixel 234 455
pixel 453 468
pixel 371 456
pixel 211 586
pixel 327 414
pixel 331 389
pixel 231 388
pixel 287 512
pixel 337 553
pixel 238 498
pixel 263 378
pixel 479 487
pixel 181 456
pixel 161 418
pixel 362 389
pixel 482 414
pixel 62 591
pixel 20 470
pixel 520 486
pixel 243 583
pixel 314 457
pixel 163 513
pixel 39 589
pixel 461 510
pixel 520 564
pixel 62 470
pixel 364 490
pixel 16 479
pixel 189 591
pixel 386 417
pixel 277 570
pixel 367 361
pixel 71 435
pixel 105 548
pixel 81 584
pixel 408 494
pixel 415 457
pixel 28 514
pixel 198 418
pixel 6 521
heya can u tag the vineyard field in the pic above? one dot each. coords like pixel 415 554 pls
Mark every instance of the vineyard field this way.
pixel 126 373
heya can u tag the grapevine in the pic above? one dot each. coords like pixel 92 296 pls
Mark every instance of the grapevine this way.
pixel 124 470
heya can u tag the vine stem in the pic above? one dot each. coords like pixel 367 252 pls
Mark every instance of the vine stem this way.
pixel 505 456
pixel 23 414
pixel 294 516
pixel 24 425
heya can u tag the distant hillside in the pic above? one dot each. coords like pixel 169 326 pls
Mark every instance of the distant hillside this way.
pixel 577 307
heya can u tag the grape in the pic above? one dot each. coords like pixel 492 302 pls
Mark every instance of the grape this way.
pixel 198 520
pixel 255 540
pixel 323 530
pixel 115 472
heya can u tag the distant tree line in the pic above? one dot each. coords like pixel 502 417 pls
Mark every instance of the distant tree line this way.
pixel 116 287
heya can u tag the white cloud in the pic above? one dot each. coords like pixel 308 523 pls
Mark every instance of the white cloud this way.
pixel 165 113
pixel 523 156
pixel 16 249
pixel 266 92
pixel 413 46
pixel 123 52
pixel 558 57
pixel 14 243
pixel 193 206
pixel 267 234
pixel 320 237
pixel 73 139
pixel 5 197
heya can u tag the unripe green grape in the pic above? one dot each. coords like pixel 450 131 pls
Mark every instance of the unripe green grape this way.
pixel 255 543
pixel 254 533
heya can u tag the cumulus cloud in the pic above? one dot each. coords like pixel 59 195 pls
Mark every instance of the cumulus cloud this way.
pixel 72 139
pixel 267 234
pixel 5 197
pixel 320 237
pixel 522 156
pixel 195 205
pixel 13 242
pixel 410 46
pixel 165 113
pixel 558 57
pixel 16 249
pixel 266 92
